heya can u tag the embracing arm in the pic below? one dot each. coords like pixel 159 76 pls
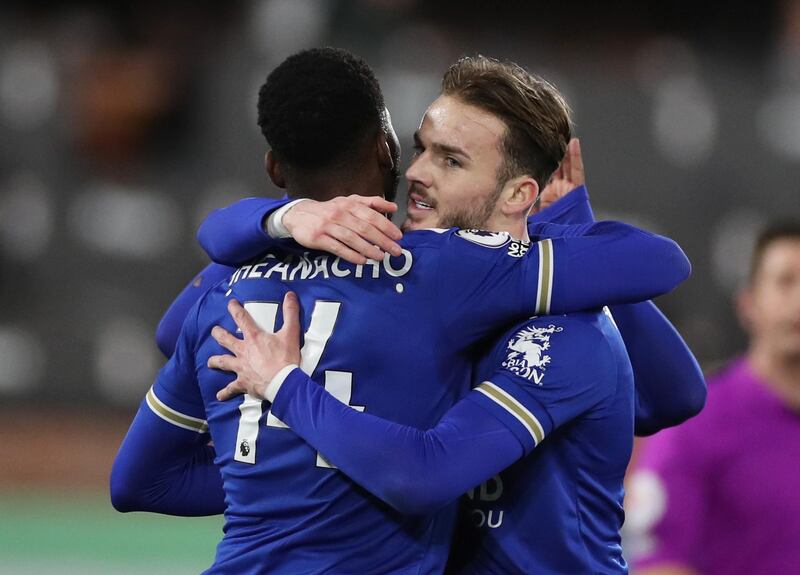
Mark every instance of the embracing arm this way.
pixel 237 233
pixel 670 387
pixel 164 469
pixel 353 228
pixel 414 471
pixel 607 263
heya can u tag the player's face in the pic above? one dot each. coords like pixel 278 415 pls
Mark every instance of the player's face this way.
pixel 774 314
pixel 452 179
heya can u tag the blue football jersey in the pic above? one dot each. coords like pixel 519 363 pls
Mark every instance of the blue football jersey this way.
pixel 564 385
pixel 403 322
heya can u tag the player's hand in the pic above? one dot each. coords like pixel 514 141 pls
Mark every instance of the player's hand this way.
pixel 353 227
pixel 569 175
pixel 260 355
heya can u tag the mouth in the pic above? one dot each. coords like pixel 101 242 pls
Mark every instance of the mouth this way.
pixel 419 203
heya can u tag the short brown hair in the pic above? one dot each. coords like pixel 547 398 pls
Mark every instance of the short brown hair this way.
pixel 780 230
pixel 536 116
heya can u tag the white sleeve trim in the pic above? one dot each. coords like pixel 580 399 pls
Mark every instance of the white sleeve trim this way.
pixel 515 408
pixel 174 417
pixel 275 227
pixel 275 384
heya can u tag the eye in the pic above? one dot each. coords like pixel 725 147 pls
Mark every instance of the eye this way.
pixel 452 162
pixel 418 149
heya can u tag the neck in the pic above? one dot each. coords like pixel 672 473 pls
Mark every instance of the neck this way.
pixel 516 226
pixel 779 371
pixel 364 181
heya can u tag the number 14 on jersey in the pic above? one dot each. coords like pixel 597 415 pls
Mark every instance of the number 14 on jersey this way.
pixel 337 383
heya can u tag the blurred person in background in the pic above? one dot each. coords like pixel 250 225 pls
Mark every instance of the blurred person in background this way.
pixel 718 495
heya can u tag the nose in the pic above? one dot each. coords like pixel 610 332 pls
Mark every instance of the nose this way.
pixel 419 171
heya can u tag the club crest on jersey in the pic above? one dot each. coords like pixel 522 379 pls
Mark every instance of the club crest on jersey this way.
pixel 485 238
pixel 526 352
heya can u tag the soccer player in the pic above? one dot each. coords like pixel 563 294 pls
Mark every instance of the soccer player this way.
pixel 447 288
pixel 719 495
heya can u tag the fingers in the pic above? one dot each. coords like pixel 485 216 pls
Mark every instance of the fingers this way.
pixel 356 234
pixel 375 229
pixel 576 174
pixel 227 340
pixel 244 321
pixel 566 163
pixel 291 318
pixel 223 362
pixel 337 248
pixel 233 389
pixel 377 203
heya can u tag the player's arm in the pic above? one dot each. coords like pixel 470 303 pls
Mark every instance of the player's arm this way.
pixel 415 471
pixel 163 468
pixel 353 228
pixel 164 464
pixel 670 386
pixel 485 283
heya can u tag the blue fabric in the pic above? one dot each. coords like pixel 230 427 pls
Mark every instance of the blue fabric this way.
pixel 235 234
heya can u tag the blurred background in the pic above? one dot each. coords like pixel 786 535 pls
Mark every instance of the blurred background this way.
pixel 122 124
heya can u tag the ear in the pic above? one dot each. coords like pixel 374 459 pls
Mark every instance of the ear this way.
pixel 274 170
pixel 519 195
pixel 384 152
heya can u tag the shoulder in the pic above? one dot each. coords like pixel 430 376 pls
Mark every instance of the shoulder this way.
pixel 571 343
pixel 457 242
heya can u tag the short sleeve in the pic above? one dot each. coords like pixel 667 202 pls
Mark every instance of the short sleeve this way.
pixel 548 372
pixel 175 396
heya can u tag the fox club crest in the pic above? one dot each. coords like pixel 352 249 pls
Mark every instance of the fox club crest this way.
pixel 526 352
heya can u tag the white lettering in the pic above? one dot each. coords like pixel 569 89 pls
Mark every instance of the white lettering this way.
pixel 282 268
pixel 337 271
pixel 498 522
pixel 408 260
pixel 303 266
pixel 320 267
pixel 255 273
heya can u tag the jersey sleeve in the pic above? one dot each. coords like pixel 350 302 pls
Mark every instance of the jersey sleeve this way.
pixel 162 468
pixel 165 464
pixel 171 322
pixel 175 396
pixel 549 372
pixel 670 386
pixel 487 279
pixel 234 235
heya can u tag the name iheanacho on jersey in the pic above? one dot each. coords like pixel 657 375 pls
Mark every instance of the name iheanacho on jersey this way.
pixel 305 267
